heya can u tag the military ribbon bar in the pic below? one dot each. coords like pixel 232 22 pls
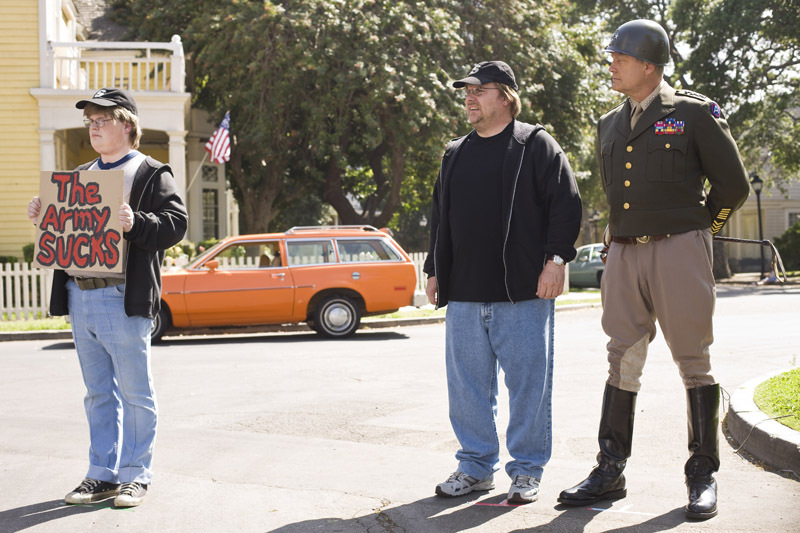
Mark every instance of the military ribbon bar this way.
pixel 669 126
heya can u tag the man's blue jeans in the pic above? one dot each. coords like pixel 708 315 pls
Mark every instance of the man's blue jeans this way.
pixel 518 337
pixel 114 354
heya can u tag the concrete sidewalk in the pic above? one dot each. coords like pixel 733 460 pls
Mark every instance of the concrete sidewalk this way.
pixel 290 433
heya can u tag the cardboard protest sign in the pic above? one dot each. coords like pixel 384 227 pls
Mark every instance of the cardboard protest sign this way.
pixel 79 225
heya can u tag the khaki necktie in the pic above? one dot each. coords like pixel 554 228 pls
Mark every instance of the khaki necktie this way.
pixel 637 112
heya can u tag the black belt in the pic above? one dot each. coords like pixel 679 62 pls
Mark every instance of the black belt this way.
pixel 86 284
pixel 643 239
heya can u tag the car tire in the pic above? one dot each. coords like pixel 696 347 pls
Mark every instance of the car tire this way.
pixel 161 323
pixel 599 277
pixel 336 316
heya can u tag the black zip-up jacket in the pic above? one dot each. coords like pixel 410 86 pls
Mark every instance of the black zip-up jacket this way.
pixel 160 221
pixel 541 211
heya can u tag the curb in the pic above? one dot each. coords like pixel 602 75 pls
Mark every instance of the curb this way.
pixel 766 439
pixel 365 324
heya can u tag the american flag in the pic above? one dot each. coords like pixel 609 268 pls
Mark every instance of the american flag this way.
pixel 219 145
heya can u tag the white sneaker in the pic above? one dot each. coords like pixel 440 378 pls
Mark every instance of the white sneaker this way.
pixel 130 494
pixel 460 483
pixel 524 489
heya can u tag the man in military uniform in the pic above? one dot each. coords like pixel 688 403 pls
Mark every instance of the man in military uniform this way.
pixel 655 151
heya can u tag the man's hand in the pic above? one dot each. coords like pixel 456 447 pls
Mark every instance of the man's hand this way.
pixel 126 217
pixel 431 289
pixel 34 207
pixel 551 281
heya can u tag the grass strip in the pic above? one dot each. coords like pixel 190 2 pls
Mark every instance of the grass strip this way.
pixel 780 397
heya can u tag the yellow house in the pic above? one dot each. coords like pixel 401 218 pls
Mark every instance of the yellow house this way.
pixel 49 61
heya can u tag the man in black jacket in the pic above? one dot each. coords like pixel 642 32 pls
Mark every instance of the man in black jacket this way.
pixel 112 314
pixel 506 213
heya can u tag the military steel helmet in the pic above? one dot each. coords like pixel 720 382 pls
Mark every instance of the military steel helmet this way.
pixel 643 39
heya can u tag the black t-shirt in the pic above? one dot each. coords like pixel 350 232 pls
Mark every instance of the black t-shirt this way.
pixel 476 220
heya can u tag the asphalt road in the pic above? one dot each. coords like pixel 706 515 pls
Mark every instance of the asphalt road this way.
pixel 291 433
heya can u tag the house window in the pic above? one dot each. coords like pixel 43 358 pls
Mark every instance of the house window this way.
pixel 794 218
pixel 210 174
pixel 210 214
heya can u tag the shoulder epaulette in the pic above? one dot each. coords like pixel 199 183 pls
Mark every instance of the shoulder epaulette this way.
pixel 692 94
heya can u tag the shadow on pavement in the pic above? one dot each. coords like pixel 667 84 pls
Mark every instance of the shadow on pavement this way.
pixel 274 338
pixel 13 520
pixel 441 516
pixel 429 514
pixel 577 518
pixel 67 345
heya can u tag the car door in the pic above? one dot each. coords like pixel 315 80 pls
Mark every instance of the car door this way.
pixel 579 274
pixel 246 283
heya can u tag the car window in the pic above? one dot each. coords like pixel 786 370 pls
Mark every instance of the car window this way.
pixel 353 251
pixel 310 252
pixel 250 255
pixel 584 255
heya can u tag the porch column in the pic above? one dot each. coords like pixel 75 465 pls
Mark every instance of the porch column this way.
pixel 177 159
pixel 47 150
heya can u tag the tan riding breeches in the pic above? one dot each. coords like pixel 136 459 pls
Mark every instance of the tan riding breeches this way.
pixel 669 280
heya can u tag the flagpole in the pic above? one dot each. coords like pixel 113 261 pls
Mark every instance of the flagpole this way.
pixel 196 172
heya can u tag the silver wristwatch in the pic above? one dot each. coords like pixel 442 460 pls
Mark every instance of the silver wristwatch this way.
pixel 557 259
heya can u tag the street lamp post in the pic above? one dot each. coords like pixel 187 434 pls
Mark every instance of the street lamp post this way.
pixel 758 184
pixel 593 219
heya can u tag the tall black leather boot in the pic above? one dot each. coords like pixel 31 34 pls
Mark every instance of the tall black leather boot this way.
pixel 703 413
pixel 606 481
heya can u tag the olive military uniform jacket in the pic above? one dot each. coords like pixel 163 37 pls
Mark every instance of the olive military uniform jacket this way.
pixel 654 176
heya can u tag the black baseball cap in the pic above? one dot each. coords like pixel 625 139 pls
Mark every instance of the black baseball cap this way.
pixel 487 71
pixel 110 98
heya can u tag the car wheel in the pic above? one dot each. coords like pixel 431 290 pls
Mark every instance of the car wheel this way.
pixel 161 324
pixel 336 316
pixel 599 277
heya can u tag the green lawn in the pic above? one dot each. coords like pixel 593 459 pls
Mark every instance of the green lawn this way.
pixel 780 397
pixel 34 325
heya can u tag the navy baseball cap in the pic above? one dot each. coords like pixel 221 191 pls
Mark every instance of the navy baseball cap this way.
pixel 111 97
pixel 487 71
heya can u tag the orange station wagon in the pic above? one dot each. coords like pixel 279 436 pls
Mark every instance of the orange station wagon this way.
pixel 326 276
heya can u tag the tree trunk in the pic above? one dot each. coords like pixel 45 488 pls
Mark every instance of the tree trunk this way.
pixel 722 269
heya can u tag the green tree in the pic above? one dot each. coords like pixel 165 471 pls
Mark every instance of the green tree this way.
pixel 788 245
pixel 350 100
pixel 744 54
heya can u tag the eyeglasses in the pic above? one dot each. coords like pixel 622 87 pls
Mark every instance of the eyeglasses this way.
pixel 98 123
pixel 479 91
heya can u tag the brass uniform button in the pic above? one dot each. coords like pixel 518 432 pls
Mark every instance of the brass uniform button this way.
pixel 628 165
pixel 626 205
pixel 627 183
pixel 667 146
pixel 630 148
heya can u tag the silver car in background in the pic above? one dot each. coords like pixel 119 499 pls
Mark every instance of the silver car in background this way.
pixel 587 268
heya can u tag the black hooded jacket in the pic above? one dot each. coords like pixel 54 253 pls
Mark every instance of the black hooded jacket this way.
pixel 160 221
pixel 541 211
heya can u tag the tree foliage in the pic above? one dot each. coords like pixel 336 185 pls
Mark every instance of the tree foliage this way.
pixel 350 100
pixel 744 54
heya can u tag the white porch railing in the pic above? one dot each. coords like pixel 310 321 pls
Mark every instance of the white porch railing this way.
pixel 135 66
pixel 25 290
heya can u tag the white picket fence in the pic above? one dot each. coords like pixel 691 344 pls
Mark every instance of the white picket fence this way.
pixel 25 290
